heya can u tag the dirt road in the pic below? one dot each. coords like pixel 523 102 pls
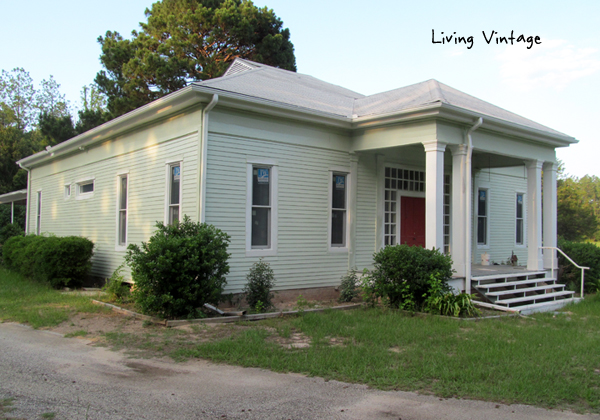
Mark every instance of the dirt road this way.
pixel 44 373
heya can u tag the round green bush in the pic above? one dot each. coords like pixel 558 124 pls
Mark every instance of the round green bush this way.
pixel 181 267
pixel 260 281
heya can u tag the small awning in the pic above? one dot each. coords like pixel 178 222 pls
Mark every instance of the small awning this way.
pixel 12 197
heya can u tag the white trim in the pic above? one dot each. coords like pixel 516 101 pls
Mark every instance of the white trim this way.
pixel 118 246
pixel 348 174
pixel 65 195
pixel 272 250
pixel 124 172
pixel 524 232
pixel 173 161
pixel 261 161
pixel 168 165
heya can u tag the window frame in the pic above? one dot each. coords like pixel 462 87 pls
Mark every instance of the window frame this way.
pixel 522 244
pixel 168 165
pixel 271 250
pixel 118 245
pixel 79 195
pixel 486 244
pixel 38 214
pixel 68 191
pixel 331 173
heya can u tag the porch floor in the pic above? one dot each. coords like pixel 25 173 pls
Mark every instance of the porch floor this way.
pixel 489 270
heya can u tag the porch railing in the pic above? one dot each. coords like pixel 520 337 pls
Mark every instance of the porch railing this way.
pixel 572 262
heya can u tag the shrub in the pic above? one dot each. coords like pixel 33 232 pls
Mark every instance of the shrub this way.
pixel 116 288
pixel 181 267
pixel 10 230
pixel 60 261
pixel 403 274
pixel 584 254
pixel 348 286
pixel 260 281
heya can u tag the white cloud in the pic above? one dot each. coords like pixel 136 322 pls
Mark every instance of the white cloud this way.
pixel 554 64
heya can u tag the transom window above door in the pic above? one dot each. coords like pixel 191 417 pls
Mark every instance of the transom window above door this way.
pixel 404 179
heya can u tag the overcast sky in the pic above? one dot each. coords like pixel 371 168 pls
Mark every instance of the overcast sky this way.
pixel 372 47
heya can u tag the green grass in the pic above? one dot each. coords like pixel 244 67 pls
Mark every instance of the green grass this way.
pixel 545 360
pixel 23 300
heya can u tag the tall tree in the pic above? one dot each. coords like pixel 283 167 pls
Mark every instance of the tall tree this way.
pixel 185 41
pixel 18 93
pixel 576 217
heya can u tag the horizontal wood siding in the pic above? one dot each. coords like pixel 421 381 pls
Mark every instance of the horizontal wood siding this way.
pixel 366 209
pixel 504 183
pixel 96 217
pixel 302 259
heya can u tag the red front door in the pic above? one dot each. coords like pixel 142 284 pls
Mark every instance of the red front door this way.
pixel 412 221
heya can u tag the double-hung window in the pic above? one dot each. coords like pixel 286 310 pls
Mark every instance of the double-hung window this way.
pixel 122 204
pixel 519 237
pixel 261 208
pixel 482 217
pixel 339 213
pixel 174 193
pixel 38 221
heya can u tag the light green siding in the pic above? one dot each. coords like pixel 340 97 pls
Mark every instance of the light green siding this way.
pixel 503 185
pixel 143 154
pixel 303 259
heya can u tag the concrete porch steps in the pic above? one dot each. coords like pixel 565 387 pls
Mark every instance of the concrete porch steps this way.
pixel 525 291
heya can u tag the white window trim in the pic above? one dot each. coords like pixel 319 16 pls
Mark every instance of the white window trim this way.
pixel 84 196
pixel 524 244
pixel 342 171
pixel 168 165
pixel 38 213
pixel 70 186
pixel 486 187
pixel 119 247
pixel 262 252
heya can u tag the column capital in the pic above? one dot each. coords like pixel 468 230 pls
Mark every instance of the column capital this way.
pixel 458 149
pixel 550 166
pixel 434 146
pixel 534 164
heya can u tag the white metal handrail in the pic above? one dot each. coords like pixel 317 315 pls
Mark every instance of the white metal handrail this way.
pixel 572 262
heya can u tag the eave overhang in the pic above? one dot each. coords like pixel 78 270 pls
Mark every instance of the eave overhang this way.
pixel 197 95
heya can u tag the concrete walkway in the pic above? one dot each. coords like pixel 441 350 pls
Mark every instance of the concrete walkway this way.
pixel 47 373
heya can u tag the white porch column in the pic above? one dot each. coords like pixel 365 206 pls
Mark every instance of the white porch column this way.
pixel 434 194
pixel 550 214
pixel 380 201
pixel 534 215
pixel 458 210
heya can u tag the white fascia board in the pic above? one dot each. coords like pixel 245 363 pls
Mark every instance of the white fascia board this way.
pixel 160 108
pixel 13 196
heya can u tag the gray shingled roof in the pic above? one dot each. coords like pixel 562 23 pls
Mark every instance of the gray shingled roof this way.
pixel 257 80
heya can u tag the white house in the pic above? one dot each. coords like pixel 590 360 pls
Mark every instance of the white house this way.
pixel 311 176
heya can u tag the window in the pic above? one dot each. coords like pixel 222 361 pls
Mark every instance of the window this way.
pixel 261 207
pixel 519 239
pixel 174 193
pixel 122 197
pixel 447 224
pixel 38 223
pixel 85 189
pixel 482 216
pixel 67 191
pixel 338 210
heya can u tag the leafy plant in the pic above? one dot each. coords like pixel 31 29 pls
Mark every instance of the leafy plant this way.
pixel 260 282
pixel 10 230
pixel 348 286
pixel 442 302
pixel 116 288
pixel 181 267
pixel 403 275
pixel 301 303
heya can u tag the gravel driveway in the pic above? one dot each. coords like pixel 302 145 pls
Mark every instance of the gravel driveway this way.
pixel 45 373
